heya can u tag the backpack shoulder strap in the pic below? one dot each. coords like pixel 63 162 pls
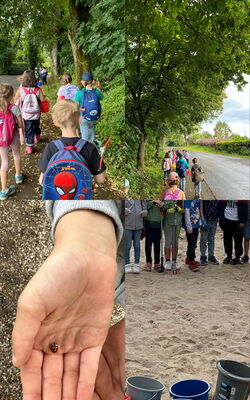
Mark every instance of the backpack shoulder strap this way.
pixel 35 91
pixel 26 91
pixel 80 144
pixel 59 144
pixel 83 96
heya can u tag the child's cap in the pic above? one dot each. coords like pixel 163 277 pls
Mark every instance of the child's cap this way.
pixel 87 76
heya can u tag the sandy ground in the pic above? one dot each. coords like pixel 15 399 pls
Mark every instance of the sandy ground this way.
pixel 178 326
pixel 25 244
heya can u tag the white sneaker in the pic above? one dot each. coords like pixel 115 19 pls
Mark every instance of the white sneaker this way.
pixel 167 265
pixel 175 265
pixel 136 268
pixel 128 268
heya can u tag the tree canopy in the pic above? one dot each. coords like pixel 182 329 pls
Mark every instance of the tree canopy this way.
pixel 180 56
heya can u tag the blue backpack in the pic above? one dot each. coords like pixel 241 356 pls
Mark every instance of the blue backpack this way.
pixel 91 104
pixel 67 176
pixel 181 169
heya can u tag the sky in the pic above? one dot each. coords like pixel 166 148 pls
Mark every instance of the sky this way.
pixel 235 110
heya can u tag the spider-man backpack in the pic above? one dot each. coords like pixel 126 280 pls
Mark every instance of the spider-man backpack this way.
pixel 67 176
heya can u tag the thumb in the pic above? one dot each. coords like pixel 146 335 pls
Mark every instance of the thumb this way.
pixel 27 324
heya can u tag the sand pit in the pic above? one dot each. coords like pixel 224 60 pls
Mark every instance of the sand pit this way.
pixel 178 326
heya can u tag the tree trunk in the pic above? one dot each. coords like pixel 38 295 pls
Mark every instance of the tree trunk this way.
pixel 141 151
pixel 78 13
pixel 54 60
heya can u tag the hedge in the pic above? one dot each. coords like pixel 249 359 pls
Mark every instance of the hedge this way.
pixel 241 147
pixel 211 142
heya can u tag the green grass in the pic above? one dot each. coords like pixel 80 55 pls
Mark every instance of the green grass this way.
pixel 207 149
pixel 50 91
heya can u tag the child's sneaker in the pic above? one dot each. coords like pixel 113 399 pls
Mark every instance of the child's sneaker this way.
pixel 157 267
pixel 227 260
pixel 168 265
pixel 212 260
pixel 36 139
pixel 8 192
pixel 128 268
pixel 235 261
pixel 203 260
pixel 29 150
pixel 19 178
pixel 147 267
pixel 193 266
pixel 175 266
pixel 136 269
pixel 244 259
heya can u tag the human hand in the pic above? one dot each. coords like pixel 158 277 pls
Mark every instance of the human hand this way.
pixel 241 225
pixel 190 230
pixel 69 302
pixel 110 377
pixel 98 84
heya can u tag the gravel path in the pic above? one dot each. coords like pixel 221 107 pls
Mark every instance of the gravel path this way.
pixel 25 244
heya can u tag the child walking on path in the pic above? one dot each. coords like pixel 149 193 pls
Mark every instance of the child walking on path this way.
pixel 181 169
pixel 67 91
pixel 192 224
pixel 197 177
pixel 209 219
pixel 153 234
pixel 166 165
pixel 172 192
pixel 66 115
pixel 30 96
pixel 172 219
pixel 10 122
pixel 135 210
pixel 89 100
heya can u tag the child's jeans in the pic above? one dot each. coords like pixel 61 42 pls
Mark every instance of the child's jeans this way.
pixel 197 188
pixel 4 153
pixel 182 184
pixel 135 236
pixel 192 242
pixel 153 236
pixel 32 129
pixel 87 130
pixel 207 239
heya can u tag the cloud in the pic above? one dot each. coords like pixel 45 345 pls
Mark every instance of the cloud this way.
pixel 235 110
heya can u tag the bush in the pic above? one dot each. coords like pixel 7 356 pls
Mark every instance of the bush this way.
pixel 242 147
pixel 209 142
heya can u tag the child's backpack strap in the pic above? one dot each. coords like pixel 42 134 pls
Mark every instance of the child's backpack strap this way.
pixel 80 144
pixel 59 144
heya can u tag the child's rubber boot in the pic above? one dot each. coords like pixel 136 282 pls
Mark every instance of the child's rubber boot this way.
pixel 29 149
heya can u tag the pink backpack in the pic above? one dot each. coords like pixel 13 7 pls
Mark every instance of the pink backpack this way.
pixel 30 107
pixel 7 126
pixel 172 196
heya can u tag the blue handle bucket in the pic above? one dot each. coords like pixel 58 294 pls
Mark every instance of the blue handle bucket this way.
pixel 192 389
pixel 144 388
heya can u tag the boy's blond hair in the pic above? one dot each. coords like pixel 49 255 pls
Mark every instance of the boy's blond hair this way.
pixel 66 113
pixel 6 95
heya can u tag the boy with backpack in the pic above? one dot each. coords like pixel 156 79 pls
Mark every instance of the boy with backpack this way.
pixel 29 96
pixel 197 175
pixel 67 165
pixel 192 225
pixel 89 101
pixel 181 169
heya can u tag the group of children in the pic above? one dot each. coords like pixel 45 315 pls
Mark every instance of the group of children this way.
pixel 178 161
pixel 197 217
pixel 75 110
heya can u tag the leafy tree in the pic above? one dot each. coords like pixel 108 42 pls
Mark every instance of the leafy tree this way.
pixel 222 130
pixel 180 57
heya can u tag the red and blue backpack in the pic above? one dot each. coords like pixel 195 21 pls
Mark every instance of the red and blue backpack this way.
pixel 67 176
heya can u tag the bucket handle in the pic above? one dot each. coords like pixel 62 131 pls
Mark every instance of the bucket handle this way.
pixel 154 396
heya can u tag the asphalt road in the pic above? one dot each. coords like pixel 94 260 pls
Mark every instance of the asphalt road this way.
pixel 228 177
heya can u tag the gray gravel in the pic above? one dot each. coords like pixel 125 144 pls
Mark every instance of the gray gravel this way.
pixel 25 243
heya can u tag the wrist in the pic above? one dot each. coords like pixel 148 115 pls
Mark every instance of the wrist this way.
pixel 86 229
